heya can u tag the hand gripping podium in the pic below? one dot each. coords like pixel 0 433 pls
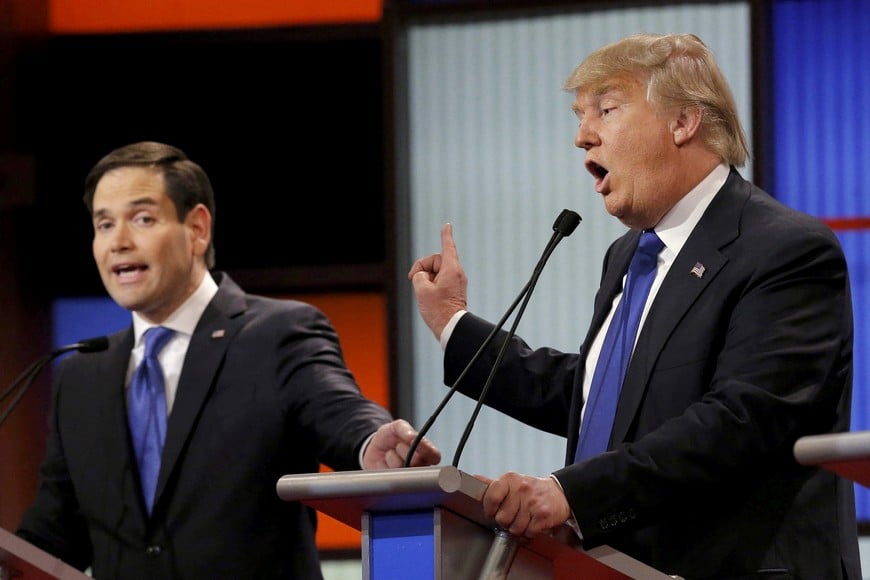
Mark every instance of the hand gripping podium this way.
pixel 21 560
pixel 428 523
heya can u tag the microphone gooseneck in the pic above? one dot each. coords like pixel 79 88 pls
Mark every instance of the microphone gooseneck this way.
pixel 564 226
pixel 30 373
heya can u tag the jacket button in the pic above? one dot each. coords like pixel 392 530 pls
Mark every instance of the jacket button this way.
pixel 153 551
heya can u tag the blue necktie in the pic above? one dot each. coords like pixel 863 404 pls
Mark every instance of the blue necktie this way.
pixel 616 350
pixel 147 411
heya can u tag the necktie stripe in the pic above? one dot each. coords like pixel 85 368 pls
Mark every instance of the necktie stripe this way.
pixel 617 348
pixel 147 411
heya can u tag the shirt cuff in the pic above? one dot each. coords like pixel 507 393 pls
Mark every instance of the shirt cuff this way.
pixel 448 328
pixel 362 450
pixel 571 522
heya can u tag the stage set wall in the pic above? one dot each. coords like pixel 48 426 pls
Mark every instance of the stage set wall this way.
pixel 454 113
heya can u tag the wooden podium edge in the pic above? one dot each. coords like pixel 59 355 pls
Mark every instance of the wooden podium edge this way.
pixel 22 560
pixel 346 495
pixel 846 454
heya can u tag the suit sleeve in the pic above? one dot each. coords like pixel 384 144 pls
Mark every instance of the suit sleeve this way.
pixel 321 392
pixel 53 522
pixel 532 385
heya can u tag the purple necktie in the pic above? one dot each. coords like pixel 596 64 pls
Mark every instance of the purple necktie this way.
pixel 146 409
pixel 616 350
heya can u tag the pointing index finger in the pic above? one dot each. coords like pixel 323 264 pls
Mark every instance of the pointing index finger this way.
pixel 448 246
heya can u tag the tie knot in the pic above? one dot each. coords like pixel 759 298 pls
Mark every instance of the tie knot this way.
pixel 650 244
pixel 646 255
pixel 156 338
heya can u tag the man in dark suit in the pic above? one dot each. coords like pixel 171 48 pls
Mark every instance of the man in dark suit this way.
pixel 745 344
pixel 255 388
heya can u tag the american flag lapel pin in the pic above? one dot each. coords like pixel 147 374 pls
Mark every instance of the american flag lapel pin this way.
pixel 220 333
pixel 698 269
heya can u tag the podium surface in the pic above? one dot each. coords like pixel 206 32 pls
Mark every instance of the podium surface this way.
pixel 846 454
pixel 22 560
pixel 428 522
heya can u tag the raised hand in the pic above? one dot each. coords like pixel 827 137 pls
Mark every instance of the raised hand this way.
pixel 440 284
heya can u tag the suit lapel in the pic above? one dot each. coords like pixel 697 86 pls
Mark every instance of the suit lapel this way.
pixel 611 284
pixel 110 373
pixel 678 292
pixel 208 345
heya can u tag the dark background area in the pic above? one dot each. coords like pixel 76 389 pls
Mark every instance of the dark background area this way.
pixel 293 144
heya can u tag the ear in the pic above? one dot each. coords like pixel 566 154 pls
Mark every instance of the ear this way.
pixel 686 125
pixel 198 222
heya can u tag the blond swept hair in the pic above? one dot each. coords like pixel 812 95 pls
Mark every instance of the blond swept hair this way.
pixel 680 72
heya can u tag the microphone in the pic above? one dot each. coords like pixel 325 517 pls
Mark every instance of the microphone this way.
pixel 565 224
pixel 97 344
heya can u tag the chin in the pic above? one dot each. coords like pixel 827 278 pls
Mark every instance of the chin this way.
pixel 614 209
pixel 123 299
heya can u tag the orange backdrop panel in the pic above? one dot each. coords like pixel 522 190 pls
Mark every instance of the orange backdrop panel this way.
pixel 361 322
pixel 96 16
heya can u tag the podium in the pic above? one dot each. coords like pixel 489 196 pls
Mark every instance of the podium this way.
pixel 22 560
pixel 428 523
pixel 846 454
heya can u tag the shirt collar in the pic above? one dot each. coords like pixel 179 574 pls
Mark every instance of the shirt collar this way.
pixel 186 317
pixel 674 229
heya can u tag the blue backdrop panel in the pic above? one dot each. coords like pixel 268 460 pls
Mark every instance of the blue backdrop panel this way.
pixel 75 319
pixel 822 145
pixel 402 545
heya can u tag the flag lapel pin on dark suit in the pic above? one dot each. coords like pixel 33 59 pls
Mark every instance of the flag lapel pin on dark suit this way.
pixel 698 269
pixel 220 333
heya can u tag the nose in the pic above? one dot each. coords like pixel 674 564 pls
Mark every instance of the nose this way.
pixel 586 136
pixel 120 237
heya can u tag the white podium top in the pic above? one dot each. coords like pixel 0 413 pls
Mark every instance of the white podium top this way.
pixel 847 454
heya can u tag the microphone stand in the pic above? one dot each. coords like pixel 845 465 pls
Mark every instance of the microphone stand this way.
pixel 32 371
pixel 30 374
pixel 505 545
pixel 525 295
pixel 500 556
pixel 564 226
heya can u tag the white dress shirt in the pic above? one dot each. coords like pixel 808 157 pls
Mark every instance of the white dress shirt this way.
pixel 183 321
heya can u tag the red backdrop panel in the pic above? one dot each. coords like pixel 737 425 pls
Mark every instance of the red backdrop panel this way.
pixel 361 322
pixel 96 16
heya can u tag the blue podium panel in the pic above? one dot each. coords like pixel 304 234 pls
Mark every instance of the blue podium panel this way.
pixel 402 545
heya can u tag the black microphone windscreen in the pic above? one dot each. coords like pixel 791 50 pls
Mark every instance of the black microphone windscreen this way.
pixel 567 222
pixel 97 344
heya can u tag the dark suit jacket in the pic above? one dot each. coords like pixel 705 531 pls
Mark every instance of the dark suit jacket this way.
pixel 264 392
pixel 729 370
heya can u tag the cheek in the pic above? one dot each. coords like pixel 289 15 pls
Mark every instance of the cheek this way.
pixel 175 252
pixel 98 248
pixel 628 148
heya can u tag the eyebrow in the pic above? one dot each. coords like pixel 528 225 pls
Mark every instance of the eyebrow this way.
pixel 600 92
pixel 136 203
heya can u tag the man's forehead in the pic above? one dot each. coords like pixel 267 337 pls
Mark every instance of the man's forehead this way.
pixel 622 83
pixel 597 93
pixel 130 185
